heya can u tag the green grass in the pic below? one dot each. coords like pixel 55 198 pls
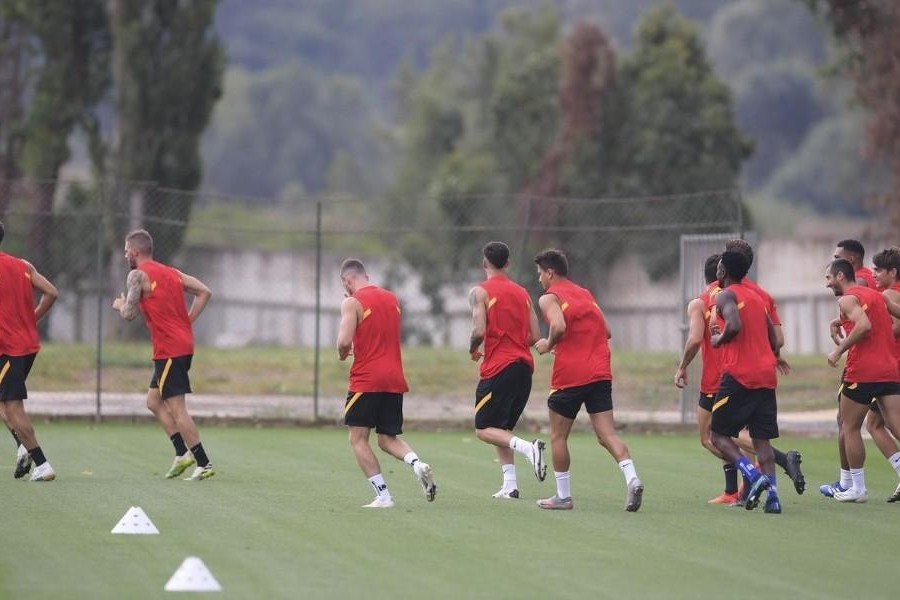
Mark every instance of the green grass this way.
pixel 282 520
pixel 641 379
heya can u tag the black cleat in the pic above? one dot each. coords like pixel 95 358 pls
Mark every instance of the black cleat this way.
pixel 761 484
pixel 23 463
pixel 793 470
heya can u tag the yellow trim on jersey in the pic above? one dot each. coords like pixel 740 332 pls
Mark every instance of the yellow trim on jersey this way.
pixel 366 313
pixel 720 403
pixel 152 286
pixel 865 307
pixel 3 372
pixel 597 305
pixel 491 302
pixel 852 386
pixel 483 401
pixel 564 306
pixel 841 389
pixel 740 305
pixel 398 310
pixel 353 400
pixel 27 275
pixel 165 374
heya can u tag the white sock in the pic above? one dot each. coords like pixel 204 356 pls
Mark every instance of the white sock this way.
pixel 509 477
pixel 846 479
pixel 410 458
pixel 895 461
pixel 521 446
pixel 380 487
pixel 563 489
pixel 859 479
pixel 628 471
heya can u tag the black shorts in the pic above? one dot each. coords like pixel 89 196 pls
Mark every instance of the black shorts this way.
pixel 706 401
pixel 596 397
pixel 737 407
pixel 867 393
pixel 382 411
pixel 170 375
pixel 14 371
pixel 500 400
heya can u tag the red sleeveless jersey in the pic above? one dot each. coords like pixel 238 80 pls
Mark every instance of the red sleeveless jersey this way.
pixel 896 287
pixel 748 357
pixel 711 373
pixel 767 299
pixel 582 355
pixel 18 327
pixel 868 361
pixel 165 312
pixel 508 326
pixel 377 365
pixel 865 273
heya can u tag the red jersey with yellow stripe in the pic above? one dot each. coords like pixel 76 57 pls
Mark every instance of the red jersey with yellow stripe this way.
pixel 711 373
pixel 165 312
pixel 748 356
pixel 377 364
pixel 508 326
pixel 18 327
pixel 867 360
pixel 767 299
pixel 582 355
pixel 865 274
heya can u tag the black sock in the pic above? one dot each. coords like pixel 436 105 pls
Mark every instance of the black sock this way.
pixel 780 458
pixel 200 454
pixel 15 437
pixel 731 485
pixel 37 455
pixel 178 442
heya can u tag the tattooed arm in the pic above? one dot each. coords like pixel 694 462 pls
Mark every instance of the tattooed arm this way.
pixel 127 304
pixel 478 301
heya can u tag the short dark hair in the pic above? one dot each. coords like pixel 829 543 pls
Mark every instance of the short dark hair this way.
pixel 2 232
pixel 710 267
pixel 842 266
pixel 353 265
pixel 742 246
pixel 888 259
pixel 140 240
pixel 853 246
pixel 736 264
pixel 551 258
pixel 496 253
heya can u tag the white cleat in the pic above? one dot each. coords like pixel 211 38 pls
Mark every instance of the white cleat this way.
pixel 537 459
pixel 634 495
pixel 380 502
pixel 852 495
pixel 426 478
pixel 43 473
pixel 507 494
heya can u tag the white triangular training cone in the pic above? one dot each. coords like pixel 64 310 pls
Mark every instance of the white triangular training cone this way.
pixel 135 521
pixel 193 576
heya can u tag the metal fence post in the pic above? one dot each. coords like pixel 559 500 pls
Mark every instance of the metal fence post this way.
pixel 99 275
pixel 318 309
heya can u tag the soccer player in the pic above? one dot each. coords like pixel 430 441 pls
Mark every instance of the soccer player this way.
pixel 581 376
pixel 505 322
pixel 19 346
pixel 157 291
pixel 370 328
pixel 868 375
pixel 789 461
pixel 887 272
pixel 746 394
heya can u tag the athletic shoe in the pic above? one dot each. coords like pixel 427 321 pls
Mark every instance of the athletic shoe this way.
pixel 852 495
pixel 23 462
pixel 201 473
pixel 830 489
pixel 43 473
pixel 180 464
pixel 896 496
pixel 793 470
pixel 725 498
pixel 554 502
pixel 507 494
pixel 426 478
pixel 761 484
pixel 773 505
pixel 537 459
pixel 634 496
pixel 380 502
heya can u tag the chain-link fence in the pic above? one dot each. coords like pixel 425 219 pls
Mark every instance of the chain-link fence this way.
pixel 265 341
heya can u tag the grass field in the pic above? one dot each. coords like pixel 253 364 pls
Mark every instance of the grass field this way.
pixel 642 379
pixel 283 520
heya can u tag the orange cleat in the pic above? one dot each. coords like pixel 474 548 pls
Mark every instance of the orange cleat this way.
pixel 725 498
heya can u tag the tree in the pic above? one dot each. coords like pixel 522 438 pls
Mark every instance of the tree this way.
pixel 17 63
pixel 167 69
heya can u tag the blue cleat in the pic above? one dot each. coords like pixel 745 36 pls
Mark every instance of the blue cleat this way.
pixel 761 484
pixel 773 505
pixel 828 489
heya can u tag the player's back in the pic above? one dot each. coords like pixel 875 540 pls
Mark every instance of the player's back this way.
pixel 582 355
pixel 711 371
pixel 18 326
pixel 377 363
pixel 748 357
pixel 508 325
